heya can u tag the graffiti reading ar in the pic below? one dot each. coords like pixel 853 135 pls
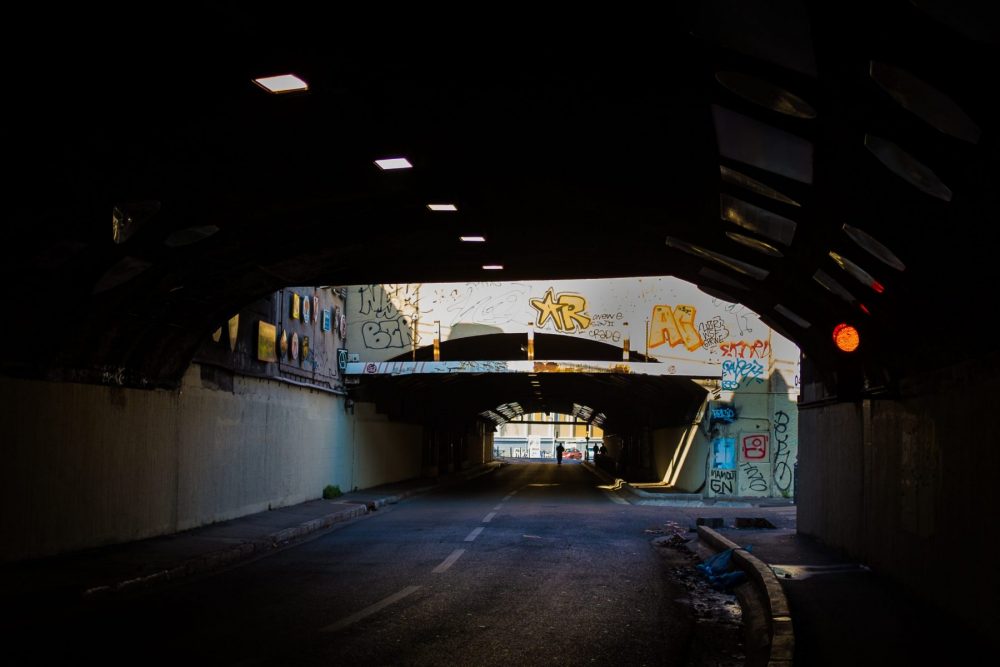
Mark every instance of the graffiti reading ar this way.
pixel 565 311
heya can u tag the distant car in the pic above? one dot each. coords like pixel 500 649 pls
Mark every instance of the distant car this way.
pixel 573 453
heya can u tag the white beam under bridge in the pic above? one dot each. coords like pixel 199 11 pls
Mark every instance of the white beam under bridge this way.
pixel 680 368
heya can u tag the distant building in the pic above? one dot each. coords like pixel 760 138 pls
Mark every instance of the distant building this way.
pixel 536 436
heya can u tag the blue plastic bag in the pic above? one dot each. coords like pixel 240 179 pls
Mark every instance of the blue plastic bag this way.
pixel 718 570
pixel 715 565
pixel 729 580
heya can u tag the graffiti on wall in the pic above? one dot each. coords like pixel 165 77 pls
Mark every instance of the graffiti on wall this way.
pixel 388 320
pixel 674 326
pixel 722 414
pixel 380 301
pixel 739 371
pixel 385 326
pixel 724 453
pixel 744 349
pixel 566 311
pixel 468 303
pixel 752 480
pixel 783 471
pixel 389 333
pixel 754 446
pixel 742 315
pixel 722 482
pixel 713 331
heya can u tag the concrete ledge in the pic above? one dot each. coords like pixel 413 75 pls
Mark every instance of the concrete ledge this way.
pixel 776 648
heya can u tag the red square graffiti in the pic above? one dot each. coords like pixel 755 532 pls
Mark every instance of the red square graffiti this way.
pixel 755 446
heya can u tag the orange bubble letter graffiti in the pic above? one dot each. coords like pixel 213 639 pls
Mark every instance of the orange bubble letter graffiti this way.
pixel 674 326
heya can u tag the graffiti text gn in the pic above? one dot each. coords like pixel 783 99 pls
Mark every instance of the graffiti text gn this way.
pixel 566 311
pixel 722 482
pixel 674 325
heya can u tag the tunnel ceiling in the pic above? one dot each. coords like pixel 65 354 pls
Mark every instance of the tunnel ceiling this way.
pixel 726 143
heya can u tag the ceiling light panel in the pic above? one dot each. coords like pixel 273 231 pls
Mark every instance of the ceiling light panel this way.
pixel 282 83
pixel 391 163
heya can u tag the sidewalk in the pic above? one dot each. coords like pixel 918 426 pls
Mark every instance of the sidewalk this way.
pixel 845 614
pixel 842 612
pixel 128 567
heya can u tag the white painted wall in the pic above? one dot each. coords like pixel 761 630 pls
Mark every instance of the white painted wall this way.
pixel 265 445
pixel 385 451
pixel 685 325
pixel 87 465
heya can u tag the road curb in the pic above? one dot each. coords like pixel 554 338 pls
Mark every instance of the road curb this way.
pixel 774 646
pixel 621 485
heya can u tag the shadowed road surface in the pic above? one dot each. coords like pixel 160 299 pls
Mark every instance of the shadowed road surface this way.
pixel 532 565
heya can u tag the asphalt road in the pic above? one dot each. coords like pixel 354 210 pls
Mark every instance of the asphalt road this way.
pixel 531 565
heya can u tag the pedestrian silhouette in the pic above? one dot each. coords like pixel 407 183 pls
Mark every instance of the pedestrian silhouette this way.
pixel 559 452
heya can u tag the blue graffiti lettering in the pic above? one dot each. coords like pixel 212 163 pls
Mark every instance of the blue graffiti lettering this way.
pixel 737 371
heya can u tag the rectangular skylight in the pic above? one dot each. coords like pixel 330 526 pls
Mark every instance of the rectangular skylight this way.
pixel 394 163
pixel 283 83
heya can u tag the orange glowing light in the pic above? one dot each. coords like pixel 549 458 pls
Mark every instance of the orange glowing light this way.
pixel 846 337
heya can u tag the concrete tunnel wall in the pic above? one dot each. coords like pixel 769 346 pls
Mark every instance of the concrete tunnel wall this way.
pixel 87 465
pixel 900 484
pixel 759 419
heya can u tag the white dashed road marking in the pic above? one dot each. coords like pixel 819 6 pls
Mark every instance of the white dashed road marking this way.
pixel 489 517
pixel 450 560
pixel 474 534
pixel 368 611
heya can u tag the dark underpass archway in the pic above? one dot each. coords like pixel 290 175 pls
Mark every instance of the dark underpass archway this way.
pixel 749 148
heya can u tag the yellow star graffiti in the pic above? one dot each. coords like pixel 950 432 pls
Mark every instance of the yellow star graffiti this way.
pixel 565 311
